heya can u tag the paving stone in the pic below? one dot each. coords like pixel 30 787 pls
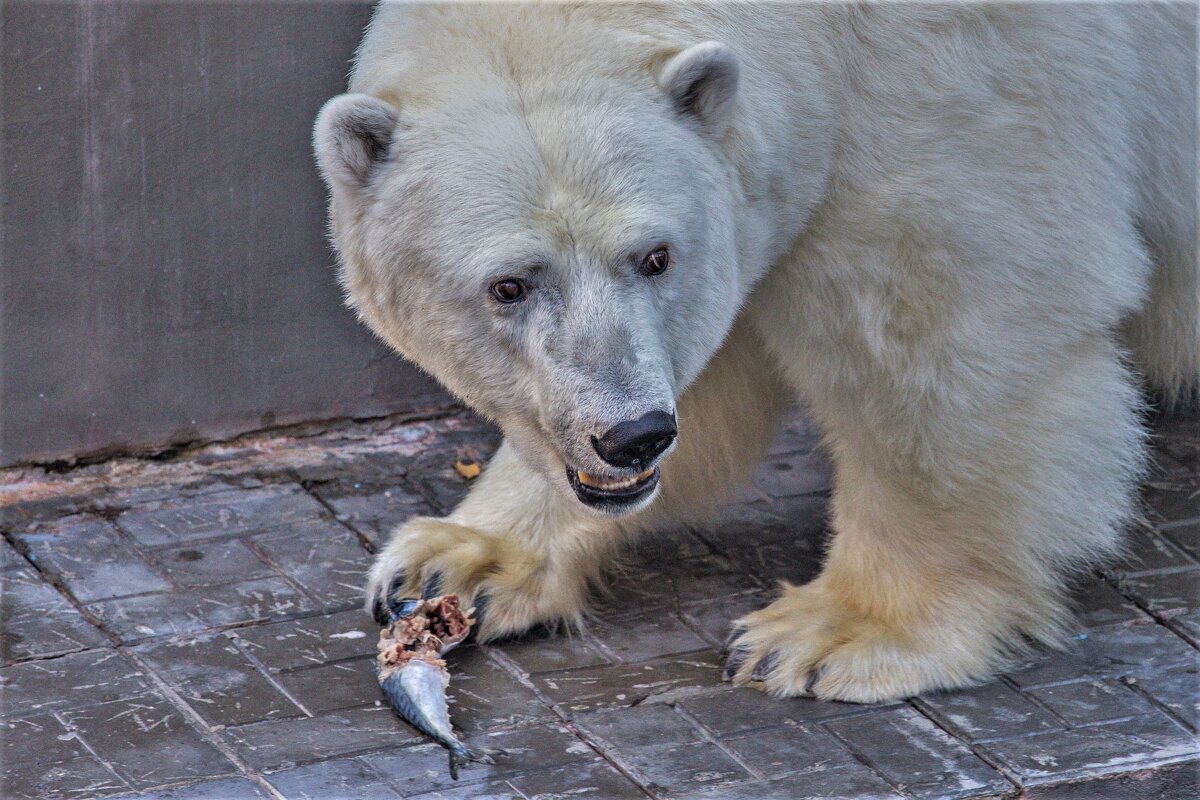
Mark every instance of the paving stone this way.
pixel 662 680
pixel 270 560
pixel 23 513
pixel 1178 433
pixel 797 560
pixel 435 474
pixel 766 521
pixel 917 756
pixel 1166 469
pixel 372 466
pixel 312 640
pixel 492 790
pixel 594 778
pixel 221 789
pixel 91 558
pixel 733 711
pixel 326 559
pixel 545 651
pixel 147 741
pixel 39 621
pixel 1174 782
pixel 1138 743
pixel 1166 594
pixel 377 514
pixel 284 743
pixel 1150 551
pixel 991 711
pixel 1090 702
pixel 9 558
pixel 217 681
pixel 645 725
pixel 74 681
pixel 233 512
pixel 667 545
pixel 550 745
pixel 1177 688
pixel 1173 505
pixel 42 759
pixel 1186 537
pixel 423 768
pixel 794 474
pixel 198 609
pixel 714 618
pixel 205 564
pixel 673 585
pixel 1110 651
pixel 1186 625
pixel 485 696
pixel 677 768
pixel 645 635
pixel 333 780
pixel 177 487
pixel 852 782
pixel 1097 603
pixel 776 752
pixel 346 684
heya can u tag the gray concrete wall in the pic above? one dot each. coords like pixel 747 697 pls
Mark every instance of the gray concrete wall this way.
pixel 164 271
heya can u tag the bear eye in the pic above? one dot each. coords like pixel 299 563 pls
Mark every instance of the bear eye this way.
pixel 508 290
pixel 656 262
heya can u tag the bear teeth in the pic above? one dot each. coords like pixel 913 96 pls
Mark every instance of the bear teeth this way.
pixel 588 479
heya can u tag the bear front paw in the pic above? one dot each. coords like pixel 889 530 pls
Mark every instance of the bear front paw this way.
pixel 511 586
pixel 809 643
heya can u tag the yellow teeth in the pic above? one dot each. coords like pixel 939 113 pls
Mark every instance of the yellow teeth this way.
pixel 609 486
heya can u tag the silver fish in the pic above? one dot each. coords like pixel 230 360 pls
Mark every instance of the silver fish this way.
pixel 418 692
pixel 413 676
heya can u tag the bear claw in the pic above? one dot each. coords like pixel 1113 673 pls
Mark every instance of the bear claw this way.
pixel 433 586
pixel 383 609
pixel 733 662
pixel 763 668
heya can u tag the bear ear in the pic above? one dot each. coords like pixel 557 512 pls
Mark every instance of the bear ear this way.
pixel 351 136
pixel 702 81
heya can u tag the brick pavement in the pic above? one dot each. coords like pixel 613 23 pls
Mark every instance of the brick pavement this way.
pixel 188 627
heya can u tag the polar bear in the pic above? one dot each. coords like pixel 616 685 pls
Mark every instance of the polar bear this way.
pixel 633 234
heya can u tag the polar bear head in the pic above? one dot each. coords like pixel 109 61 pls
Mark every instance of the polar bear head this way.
pixel 552 239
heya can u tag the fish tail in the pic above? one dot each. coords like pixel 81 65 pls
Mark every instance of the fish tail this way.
pixel 461 756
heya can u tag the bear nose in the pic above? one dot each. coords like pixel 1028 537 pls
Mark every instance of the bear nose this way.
pixel 637 441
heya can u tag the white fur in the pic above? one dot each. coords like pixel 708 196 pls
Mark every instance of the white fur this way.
pixel 927 223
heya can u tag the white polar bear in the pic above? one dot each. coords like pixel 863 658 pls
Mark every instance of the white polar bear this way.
pixel 626 230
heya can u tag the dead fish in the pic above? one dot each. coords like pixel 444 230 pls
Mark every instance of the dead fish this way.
pixel 418 692
pixel 413 675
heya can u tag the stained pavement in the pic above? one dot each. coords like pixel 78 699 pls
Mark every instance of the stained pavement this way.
pixel 188 627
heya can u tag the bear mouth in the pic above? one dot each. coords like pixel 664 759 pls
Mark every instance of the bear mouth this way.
pixel 612 494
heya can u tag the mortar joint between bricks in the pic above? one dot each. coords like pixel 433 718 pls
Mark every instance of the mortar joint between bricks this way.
pixel 73 730
pixel 206 731
pixel 60 587
pixel 1114 580
pixel 1135 686
pixel 262 669
pixel 512 668
pixel 709 736
pixel 307 487
pixel 979 750
pixel 862 758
